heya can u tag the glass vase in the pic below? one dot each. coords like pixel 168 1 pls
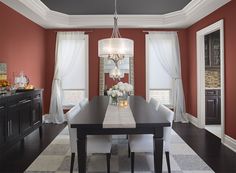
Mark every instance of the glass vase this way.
pixel 114 100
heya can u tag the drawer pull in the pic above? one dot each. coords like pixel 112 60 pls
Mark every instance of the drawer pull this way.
pixel 37 97
pixel 9 128
pixel 24 101
pixel 8 131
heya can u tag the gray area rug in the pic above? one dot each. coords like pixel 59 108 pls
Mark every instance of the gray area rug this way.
pixel 56 158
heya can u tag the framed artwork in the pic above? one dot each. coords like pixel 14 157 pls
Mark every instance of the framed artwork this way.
pixel 3 71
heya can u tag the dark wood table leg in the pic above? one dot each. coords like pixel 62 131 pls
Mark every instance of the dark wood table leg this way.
pixel 158 149
pixel 82 151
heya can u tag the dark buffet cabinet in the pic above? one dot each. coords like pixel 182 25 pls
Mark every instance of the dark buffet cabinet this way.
pixel 213 106
pixel 20 114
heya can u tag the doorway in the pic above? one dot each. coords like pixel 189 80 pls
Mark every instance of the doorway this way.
pixel 210 78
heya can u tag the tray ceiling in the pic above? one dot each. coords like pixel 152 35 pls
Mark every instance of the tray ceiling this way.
pixel 131 13
pixel 101 7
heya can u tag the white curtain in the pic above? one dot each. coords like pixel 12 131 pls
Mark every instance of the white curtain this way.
pixel 166 48
pixel 68 46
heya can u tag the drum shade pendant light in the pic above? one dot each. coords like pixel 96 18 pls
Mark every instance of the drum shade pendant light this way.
pixel 115 48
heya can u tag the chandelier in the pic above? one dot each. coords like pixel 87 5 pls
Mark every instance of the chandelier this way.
pixel 116 74
pixel 115 48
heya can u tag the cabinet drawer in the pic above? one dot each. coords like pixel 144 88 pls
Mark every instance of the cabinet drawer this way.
pixel 2 106
pixel 213 92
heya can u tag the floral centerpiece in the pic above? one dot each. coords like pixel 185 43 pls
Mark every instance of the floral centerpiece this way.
pixel 119 90
pixel 114 93
pixel 125 88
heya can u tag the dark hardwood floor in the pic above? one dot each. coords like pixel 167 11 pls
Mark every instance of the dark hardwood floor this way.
pixel 206 145
pixel 220 158
pixel 22 154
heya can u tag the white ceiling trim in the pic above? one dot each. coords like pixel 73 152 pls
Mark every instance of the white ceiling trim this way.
pixel 39 13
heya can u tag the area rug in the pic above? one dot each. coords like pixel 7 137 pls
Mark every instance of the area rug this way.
pixel 56 158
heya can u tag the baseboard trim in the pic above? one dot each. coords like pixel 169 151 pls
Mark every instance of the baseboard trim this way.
pixel 230 142
pixel 192 119
pixel 227 141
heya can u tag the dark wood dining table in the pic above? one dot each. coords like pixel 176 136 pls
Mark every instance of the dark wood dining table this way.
pixel 89 121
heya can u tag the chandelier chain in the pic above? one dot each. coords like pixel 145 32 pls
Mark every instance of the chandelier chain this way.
pixel 115 31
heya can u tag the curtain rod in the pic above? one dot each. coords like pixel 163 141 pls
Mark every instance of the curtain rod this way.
pixel 89 31
pixel 159 31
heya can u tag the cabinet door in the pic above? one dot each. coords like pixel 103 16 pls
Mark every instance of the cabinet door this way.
pixel 212 49
pixel 25 115
pixel 2 124
pixel 212 110
pixel 13 122
pixel 36 110
pixel 215 49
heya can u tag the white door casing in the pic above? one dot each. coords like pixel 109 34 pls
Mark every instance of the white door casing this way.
pixel 201 74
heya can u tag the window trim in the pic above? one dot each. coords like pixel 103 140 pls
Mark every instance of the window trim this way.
pixel 147 66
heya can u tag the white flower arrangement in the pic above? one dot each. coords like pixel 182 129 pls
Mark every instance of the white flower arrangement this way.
pixel 125 87
pixel 113 92
pixel 120 90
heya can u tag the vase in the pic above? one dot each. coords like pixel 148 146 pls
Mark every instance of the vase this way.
pixel 125 96
pixel 114 100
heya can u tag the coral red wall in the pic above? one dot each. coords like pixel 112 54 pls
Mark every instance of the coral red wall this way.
pixel 139 59
pixel 22 46
pixel 227 13
pixel 110 82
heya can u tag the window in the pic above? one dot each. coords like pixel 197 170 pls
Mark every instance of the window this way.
pixel 159 82
pixel 75 82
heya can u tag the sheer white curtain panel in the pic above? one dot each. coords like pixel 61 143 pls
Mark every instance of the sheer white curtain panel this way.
pixel 68 47
pixel 166 48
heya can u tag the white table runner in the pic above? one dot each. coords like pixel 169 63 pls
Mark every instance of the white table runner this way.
pixel 118 117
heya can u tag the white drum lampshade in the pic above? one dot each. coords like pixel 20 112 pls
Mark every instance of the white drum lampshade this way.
pixel 122 47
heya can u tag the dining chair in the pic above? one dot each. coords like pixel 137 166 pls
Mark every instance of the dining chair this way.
pixel 144 143
pixel 154 103
pixel 84 102
pixel 95 144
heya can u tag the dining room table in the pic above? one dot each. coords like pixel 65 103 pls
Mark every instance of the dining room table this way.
pixel 90 119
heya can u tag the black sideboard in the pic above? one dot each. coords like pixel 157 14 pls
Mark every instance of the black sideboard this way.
pixel 20 114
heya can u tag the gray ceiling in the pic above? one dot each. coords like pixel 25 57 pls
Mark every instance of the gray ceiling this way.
pixel 100 7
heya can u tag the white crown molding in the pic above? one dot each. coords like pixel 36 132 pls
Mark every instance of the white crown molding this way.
pixel 37 12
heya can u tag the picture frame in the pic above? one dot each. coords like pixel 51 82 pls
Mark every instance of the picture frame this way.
pixel 3 71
